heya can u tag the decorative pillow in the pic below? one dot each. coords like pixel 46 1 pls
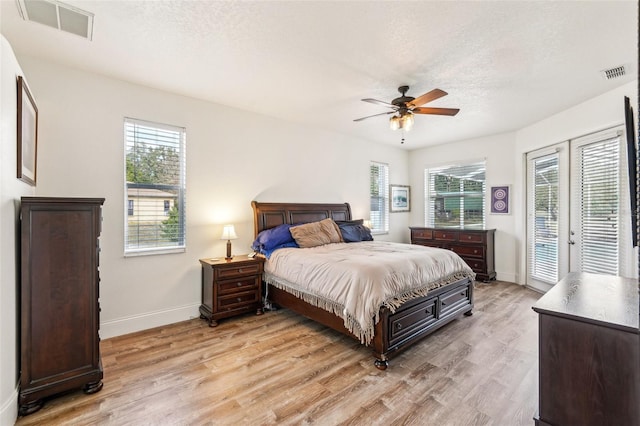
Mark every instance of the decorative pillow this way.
pixel 273 238
pixel 316 234
pixel 354 231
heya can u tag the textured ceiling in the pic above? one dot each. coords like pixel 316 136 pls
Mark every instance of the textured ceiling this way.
pixel 504 64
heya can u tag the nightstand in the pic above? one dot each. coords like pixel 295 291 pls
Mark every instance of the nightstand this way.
pixel 231 287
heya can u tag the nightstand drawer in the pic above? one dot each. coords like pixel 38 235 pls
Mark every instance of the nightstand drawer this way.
pixel 237 300
pixel 238 286
pixel 238 271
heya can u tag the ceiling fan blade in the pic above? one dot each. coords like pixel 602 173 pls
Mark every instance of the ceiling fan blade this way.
pixel 374 115
pixel 375 101
pixel 435 111
pixel 428 97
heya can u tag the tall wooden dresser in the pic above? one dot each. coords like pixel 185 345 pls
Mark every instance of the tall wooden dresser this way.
pixel 59 340
pixel 589 352
pixel 475 247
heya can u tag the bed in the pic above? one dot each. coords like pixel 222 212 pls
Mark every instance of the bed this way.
pixel 395 327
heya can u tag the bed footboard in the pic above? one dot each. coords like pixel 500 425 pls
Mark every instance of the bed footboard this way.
pixel 396 331
pixel 418 318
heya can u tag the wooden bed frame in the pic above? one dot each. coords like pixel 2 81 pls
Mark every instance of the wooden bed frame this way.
pixel 394 332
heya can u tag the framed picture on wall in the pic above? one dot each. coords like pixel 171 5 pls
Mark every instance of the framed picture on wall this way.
pixel 500 199
pixel 400 198
pixel 27 130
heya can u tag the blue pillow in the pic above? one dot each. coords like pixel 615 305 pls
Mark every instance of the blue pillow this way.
pixel 273 238
pixel 267 252
pixel 354 231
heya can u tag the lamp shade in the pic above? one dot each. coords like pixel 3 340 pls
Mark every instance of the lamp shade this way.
pixel 228 233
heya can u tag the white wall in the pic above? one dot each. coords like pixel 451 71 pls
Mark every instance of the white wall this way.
pixel 11 189
pixel 596 114
pixel 498 150
pixel 233 157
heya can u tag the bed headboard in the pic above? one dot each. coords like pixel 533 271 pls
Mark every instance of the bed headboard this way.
pixel 269 215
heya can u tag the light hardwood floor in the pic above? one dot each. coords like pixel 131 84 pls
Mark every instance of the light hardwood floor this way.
pixel 280 368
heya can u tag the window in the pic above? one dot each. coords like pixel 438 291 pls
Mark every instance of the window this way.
pixel 379 192
pixel 454 196
pixel 155 184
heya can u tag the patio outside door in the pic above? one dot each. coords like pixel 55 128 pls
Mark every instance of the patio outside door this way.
pixel 576 215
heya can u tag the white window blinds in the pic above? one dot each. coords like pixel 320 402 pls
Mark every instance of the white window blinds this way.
pixel 154 187
pixel 597 172
pixel 454 196
pixel 379 193
pixel 543 203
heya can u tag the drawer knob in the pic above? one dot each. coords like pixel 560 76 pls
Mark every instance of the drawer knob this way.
pixel 398 326
pixel 469 236
pixel 238 284
pixel 239 299
pixel 444 235
pixel 475 251
pixel 240 270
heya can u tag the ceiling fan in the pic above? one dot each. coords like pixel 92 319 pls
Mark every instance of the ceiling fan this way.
pixel 406 106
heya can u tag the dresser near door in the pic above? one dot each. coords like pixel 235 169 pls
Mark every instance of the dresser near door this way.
pixel 589 352
pixel 475 247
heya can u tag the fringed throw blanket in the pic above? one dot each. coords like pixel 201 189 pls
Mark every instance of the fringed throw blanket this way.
pixel 353 280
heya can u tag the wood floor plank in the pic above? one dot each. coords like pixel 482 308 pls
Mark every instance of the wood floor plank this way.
pixel 281 368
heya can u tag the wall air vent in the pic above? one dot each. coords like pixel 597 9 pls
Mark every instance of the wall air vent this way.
pixel 58 15
pixel 612 73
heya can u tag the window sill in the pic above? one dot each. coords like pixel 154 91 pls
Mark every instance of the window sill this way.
pixel 155 251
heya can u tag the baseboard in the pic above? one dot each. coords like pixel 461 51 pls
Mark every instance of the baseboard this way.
pixel 147 320
pixel 9 409
pixel 504 276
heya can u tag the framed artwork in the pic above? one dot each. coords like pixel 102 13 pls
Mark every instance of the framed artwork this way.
pixel 500 199
pixel 400 199
pixel 27 129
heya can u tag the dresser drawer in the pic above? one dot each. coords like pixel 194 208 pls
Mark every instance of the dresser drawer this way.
pixel 402 324
pixel 445 235
pixel 477 265
pixel 422 233
pixel 454 299
pixel 472 237
pixel 238 271
pixel 237 300
pixel 473 251
pixel 238 286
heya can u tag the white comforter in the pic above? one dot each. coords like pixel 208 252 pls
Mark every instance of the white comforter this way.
pixel 353 280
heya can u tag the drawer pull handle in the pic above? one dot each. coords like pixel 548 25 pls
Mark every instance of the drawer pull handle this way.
pixel 238 284
pixel 444 303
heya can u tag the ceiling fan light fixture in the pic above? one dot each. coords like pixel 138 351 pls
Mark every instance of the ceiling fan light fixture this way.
pixel 394 122
pixel 402 121
pixel 406 121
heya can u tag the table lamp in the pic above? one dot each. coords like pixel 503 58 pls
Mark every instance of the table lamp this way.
pixel 228 233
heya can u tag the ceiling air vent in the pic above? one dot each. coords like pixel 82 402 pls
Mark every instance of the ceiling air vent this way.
pixel 612 73
pixel 58 15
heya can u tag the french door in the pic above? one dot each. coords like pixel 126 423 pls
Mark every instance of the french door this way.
pixel 578 209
